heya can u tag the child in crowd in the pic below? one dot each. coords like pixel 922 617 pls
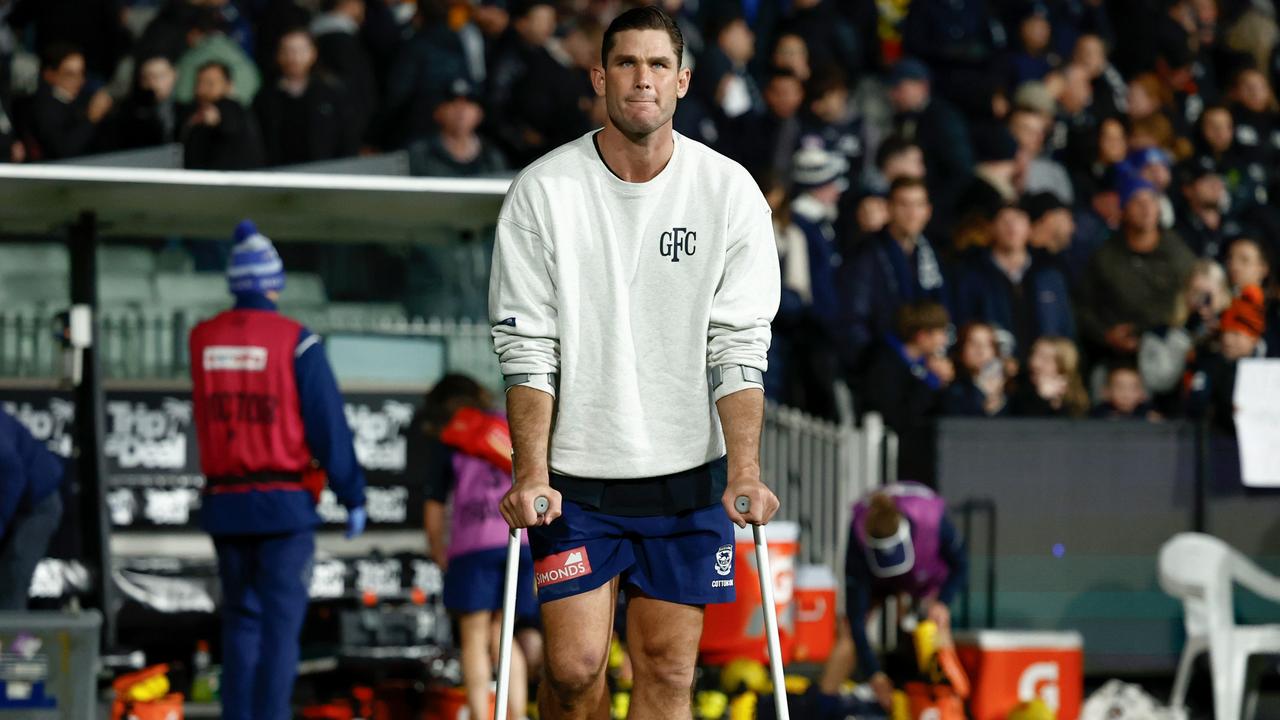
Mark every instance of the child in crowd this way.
pixel 1214 373
pixel 464 451
pixel 1051 385
pixel 979 388
pixel 1124 396
pixel 1248 263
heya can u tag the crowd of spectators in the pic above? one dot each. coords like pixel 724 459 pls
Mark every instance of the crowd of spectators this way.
pixel 983 207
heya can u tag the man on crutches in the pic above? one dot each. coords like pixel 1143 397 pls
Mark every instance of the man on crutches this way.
pixel 635 276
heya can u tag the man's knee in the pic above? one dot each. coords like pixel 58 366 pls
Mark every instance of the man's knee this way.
pixel 663 667
pixel 574 674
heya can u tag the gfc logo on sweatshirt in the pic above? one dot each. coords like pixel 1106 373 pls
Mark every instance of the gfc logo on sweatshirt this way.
pixel 568 565
pixel 675 241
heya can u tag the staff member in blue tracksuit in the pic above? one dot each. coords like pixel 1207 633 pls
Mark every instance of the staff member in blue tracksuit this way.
pixel 30 508
pixel 268 418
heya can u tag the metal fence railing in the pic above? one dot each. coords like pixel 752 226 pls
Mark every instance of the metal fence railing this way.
pixel 818 468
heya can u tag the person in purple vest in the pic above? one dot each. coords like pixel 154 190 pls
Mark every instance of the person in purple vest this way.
pixel 900 543
pixel 462 449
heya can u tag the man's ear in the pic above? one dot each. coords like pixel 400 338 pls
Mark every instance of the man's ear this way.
pixel 682 82
pixel 597 80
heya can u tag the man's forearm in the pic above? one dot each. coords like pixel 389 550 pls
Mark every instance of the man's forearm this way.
pixel 742 418
pixel 529 416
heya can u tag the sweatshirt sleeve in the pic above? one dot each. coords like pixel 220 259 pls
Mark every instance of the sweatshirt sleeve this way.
pixel 522 299
pixel 747 297
pixel 324 421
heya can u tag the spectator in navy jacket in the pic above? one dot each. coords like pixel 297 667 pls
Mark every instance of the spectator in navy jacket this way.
pixel 895 267
pixel 818 178
pixel 1022 294
pixel 30 508
pixel 935 125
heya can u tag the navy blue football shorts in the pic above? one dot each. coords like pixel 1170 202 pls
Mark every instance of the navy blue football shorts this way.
pixel 683 558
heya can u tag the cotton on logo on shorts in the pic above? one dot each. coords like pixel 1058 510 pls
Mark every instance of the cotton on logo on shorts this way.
pixel 558 568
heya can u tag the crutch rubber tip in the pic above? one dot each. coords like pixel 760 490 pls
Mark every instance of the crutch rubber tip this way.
pixel 742 504
pixel 541 504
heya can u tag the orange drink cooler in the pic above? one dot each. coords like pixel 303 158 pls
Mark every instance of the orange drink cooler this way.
pixel 450 703
pixel 1007 667
pixel 732 631
pixel 816 613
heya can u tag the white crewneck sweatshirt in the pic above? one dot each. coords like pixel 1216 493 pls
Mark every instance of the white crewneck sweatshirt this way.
pixel 630 292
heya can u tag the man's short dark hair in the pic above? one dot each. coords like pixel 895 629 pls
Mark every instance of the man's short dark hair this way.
pixel 56 54
pixel 777 72
pixel 823 82
pixel 915 318
pixel 217 65
pixel 643 18
pixel 891 147
pixel 907 183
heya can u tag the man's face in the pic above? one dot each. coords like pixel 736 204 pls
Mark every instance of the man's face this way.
pixel 1010 230
pixel 538 25
pixel 1254 92
pixel 491 19
pixel 909 211
pixel 68 77
pixel 211 86
pixel 738 42
pixel 1077 89
pixel 1028 129
pixel 1055 229
pixel 158 76
pixel 296 56
pixel 909 95
pixel 580 49
pixel 833 106
pixel 1157 174
pixel 908 163
pixel 784 95
pixel 792 53
pixel 1218 129
pixel 641 82
pixel 1142 213
pixel 1112 144
pixel 1091 55
pixel 459 116
pixel 1207 192
pixel 1035 33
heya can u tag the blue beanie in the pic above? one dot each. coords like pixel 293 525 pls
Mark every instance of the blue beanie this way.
pixel 255 265
pixel 1129 183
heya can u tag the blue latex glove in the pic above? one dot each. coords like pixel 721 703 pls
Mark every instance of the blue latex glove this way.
pixel 356 519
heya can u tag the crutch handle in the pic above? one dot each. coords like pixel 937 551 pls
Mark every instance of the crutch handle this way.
pixel 742 504
pixel 541 504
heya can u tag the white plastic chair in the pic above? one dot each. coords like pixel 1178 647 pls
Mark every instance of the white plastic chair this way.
pixel 1200 570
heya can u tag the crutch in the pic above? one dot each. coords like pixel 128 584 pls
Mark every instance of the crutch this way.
pixel 743 505
pixel 509 613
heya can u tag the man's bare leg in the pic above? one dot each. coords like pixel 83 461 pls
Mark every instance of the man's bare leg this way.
pixel 839 666
pixel 663 640
pixel 576 651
